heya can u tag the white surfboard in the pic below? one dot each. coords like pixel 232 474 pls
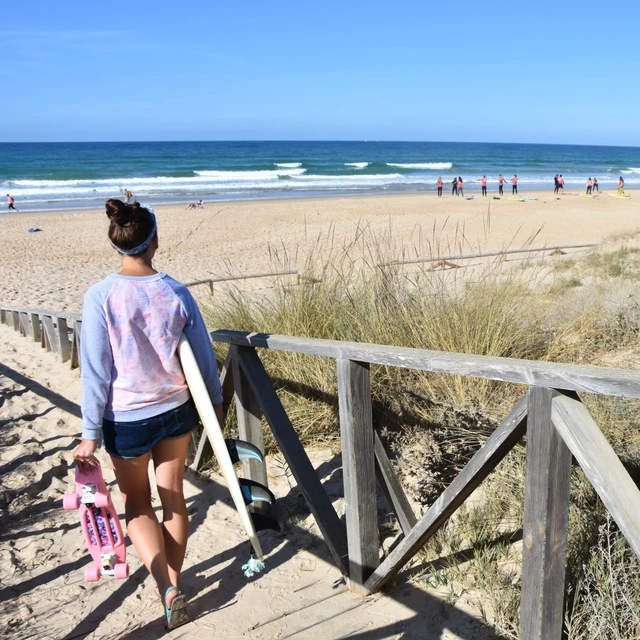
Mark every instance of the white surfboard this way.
pixel 212 428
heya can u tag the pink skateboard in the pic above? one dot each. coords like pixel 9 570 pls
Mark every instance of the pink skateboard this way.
pixel 100 526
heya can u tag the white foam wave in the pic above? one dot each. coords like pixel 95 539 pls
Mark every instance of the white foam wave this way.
pixel 246 175
pixel 357 165
pixel 631 170
pixel 289 165
pixel 422 165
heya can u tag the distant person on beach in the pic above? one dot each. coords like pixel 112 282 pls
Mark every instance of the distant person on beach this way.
pixel 483 184
pixel 514 185
pixel 556 184
pixel 589 186
pixel 595 185
pixel 500 185
pixel 460 191
pixel 621 186
pixel 561 183
pixel 10 203
pixel 127 196
pixel 135 397
pixel 195 205
pixel 439 185
pixel 454 186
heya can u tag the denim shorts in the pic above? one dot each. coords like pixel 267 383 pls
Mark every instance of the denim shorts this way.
pixel 128 440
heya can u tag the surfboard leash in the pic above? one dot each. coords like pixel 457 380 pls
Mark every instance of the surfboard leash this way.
pixel 253 566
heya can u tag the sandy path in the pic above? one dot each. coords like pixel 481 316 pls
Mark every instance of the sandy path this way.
pixel 42 555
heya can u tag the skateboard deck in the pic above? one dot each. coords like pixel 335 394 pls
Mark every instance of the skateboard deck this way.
pixel 100 526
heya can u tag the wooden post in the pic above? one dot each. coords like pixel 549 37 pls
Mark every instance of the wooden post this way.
pixel 16 320
pixel 249 424
pixel 75 345
pixel 3 316
pixel 358 463
pixel 546 517
pixel 49 334
pixel 24 324
pixel 35 327
pixel 63 339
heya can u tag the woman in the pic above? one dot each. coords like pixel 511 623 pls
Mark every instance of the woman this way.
pixel 621 186
pixel 439 185
pixel 460 191
pixel 135 395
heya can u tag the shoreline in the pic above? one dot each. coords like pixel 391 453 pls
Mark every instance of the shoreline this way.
pixel 280 197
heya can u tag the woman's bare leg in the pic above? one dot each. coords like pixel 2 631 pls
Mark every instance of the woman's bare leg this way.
pixel 142 525
pixel 168 458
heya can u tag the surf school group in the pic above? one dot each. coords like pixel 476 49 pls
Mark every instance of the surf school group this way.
pixel 457 185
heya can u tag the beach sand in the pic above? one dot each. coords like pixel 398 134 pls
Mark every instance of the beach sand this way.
pixel 42 555
pixel 52 268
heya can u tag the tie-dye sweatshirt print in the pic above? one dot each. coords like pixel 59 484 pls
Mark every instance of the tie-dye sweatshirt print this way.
pixel 131 326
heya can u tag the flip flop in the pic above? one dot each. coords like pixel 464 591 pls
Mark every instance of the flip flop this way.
pixel 176 613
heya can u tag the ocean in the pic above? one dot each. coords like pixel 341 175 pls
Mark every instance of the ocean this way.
pixel 81 175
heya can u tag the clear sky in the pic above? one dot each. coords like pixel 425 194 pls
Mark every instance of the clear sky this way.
pixel 553 72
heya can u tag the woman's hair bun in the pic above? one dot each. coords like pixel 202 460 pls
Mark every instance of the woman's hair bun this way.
pixel 121 213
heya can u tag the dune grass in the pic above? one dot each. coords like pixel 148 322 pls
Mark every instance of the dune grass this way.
pixel 435 422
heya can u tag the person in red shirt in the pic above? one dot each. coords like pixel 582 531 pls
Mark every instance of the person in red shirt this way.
pixel 561 182
pixel 460 191
pixel 589 185
pixel 10 204
pixel 514 184
pixel 500 185
pixel 439 185
pixel 483 184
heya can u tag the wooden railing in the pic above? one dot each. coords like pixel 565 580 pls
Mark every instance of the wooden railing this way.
pixel 247 276
pixel 56 331
pixel 558 428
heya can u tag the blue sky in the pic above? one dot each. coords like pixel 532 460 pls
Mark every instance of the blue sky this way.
pixel 553 72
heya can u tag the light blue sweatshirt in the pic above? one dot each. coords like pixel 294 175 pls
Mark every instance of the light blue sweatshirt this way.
pixel 131 326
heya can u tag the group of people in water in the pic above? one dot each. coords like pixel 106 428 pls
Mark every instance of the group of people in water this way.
pixel 457 185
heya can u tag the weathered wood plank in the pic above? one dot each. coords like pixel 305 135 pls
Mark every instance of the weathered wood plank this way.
pixel 49 331
pixel 499 443
pixel 297 459
pixel 75 344
pixel 44 312
pixel 36 330
pixel 24 324
pixel 249 427
pixel 600 464
pixel 64 346
pixel 392 488
pixel 607 381
pixel 546 518
pixel 15 315
pixel 358 464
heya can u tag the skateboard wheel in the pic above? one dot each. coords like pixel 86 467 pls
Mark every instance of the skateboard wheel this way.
pixel 92 573
pixel 71 501
pixel 101 500
pixel 121 571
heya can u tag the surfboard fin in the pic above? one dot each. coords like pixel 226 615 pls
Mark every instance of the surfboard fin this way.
pixel 255 492
pixel 240 450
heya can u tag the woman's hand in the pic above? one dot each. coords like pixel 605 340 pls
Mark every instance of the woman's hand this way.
pixel 84 455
